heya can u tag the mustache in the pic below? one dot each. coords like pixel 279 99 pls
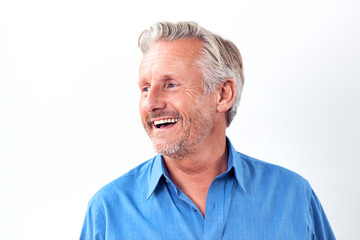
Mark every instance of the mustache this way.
pixel 162 114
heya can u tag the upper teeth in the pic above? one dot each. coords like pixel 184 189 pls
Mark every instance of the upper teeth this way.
pixel 172 120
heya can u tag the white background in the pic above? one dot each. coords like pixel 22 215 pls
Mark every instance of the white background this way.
pixel 69 119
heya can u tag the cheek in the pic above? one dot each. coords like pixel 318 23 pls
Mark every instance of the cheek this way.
pixel 184 105
pixel 141 109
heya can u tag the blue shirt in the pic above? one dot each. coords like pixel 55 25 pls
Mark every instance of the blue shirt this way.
pixel 251 200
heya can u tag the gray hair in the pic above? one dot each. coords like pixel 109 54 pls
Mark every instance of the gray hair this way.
pixel 220 58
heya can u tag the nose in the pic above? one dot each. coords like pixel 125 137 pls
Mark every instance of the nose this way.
pixel 155 100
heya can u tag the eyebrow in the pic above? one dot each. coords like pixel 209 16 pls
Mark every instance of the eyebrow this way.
pixel 162 77
pixel 142 82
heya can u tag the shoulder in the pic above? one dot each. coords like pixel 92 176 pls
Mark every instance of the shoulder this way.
pixel 268 174
pixel 132 182
pixel 286 192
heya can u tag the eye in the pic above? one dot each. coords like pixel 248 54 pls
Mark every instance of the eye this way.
pixel 145 88
pixel 170 85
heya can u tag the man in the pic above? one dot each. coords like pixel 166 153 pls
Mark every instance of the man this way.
pixel 199 187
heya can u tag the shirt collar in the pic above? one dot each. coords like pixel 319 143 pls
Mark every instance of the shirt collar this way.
pixel 156 172
pixel 158 169
pixel 235 162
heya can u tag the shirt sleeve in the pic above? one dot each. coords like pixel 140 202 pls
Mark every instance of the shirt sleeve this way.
pixel 321 226
pixel 94 224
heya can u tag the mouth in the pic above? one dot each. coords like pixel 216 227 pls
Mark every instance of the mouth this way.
pixel 163 123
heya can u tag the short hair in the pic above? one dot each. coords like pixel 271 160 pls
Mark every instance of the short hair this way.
pixel 220 59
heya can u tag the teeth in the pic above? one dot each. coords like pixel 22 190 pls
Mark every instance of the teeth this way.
pixel 170 120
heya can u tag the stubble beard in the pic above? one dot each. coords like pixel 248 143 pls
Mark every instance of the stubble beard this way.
pixel 194 131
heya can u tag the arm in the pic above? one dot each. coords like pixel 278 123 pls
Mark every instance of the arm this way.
pixel 321 226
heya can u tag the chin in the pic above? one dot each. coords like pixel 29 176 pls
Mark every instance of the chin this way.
pixel 176 150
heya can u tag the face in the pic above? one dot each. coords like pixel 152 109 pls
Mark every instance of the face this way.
pixel 176 113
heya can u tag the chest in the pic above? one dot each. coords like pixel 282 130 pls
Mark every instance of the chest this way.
pixel 230 214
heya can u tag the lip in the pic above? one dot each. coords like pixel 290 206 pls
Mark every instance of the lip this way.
pixel 164 127
pixel 163 118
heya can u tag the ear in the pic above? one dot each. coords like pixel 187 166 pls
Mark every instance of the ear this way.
pixel 226 95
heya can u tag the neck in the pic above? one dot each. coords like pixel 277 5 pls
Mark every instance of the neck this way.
pixel 194 174
pixel 213 158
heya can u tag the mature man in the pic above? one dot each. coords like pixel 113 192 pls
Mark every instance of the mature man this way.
pixel 199 187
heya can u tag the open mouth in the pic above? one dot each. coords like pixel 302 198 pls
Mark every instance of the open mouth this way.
pixel 165 122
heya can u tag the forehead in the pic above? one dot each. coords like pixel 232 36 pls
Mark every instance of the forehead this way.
pixel 178 55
